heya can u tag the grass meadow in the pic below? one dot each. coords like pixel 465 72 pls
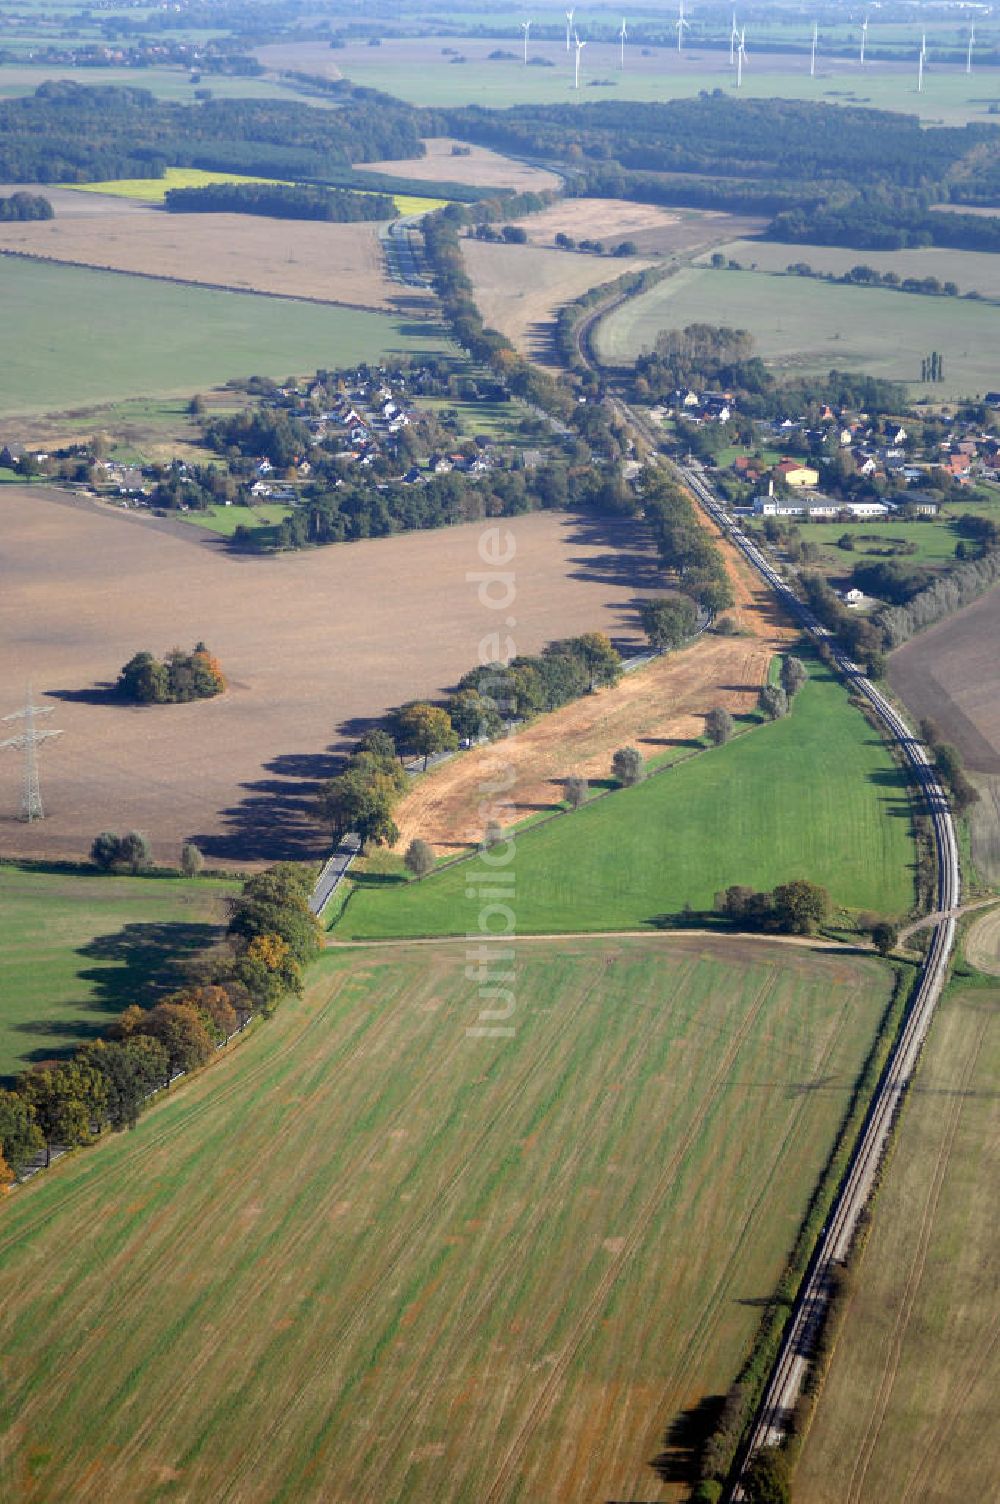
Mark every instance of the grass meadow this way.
pixel 368 1256
pixel 808 326
pixel 81 337
pixel 971 271
pixel 917 1356
pixel 935 540
pixel 815 795
pixel 77 947
pixel 225 520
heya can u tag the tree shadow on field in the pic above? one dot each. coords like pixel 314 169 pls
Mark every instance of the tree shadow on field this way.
pixel 685 1441
pixel 101 693
pixel 274 821
pixel 143 962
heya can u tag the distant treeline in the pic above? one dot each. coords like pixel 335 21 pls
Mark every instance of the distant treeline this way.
pixel 716 135
pixel 68 133
pixel 886 227
pixel 281 201
pixel 25 206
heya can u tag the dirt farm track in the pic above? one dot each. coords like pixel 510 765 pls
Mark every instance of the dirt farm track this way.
pixel 313 644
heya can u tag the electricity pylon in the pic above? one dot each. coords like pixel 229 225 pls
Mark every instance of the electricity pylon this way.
pixel 28 741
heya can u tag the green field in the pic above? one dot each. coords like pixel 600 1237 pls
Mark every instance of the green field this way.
pixel 935 541
pixel 971 271
pixel 806 326
pixel 917 1357
pixel 225 520
pixel 815 795
pixel 78 337
pixel 417 71
pixel 76 948
pixel 368 1256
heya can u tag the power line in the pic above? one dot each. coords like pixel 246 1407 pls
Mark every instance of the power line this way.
pixel 28 742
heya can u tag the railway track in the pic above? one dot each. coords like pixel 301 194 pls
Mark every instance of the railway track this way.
pixel 784 1386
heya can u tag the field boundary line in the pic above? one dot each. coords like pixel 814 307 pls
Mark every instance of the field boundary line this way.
pixel 248 292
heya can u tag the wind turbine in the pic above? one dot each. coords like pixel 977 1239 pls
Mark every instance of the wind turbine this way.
pixel 526 27
pixel 682 25
pixel 920 63
pixel 623 37
pixel 579 48
pixel 972 43
pixel 734 37
pixel 741 53
pixel 812 58
pixel 569 26
pixel 864 39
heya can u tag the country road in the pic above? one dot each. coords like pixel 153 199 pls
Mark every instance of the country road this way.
pixel 785 1384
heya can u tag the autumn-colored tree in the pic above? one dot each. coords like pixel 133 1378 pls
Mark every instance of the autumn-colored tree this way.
pixel 183 1033
pixel 212 1002
pixel 7 1176
pixel 425 729
pixel 602 661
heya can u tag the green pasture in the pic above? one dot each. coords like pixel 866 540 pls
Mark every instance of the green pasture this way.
pixel 76 336
pixel 815 795
pixel 366 1210
pixel 971 271
pixel 417 70
pixel 77 947
pixel 806 326
pixel 225 520
pixel 935 541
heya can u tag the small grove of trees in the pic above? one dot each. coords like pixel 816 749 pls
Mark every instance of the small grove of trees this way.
pixel 793 675
pixel 181 677
pixel 281 201
pixel 112 852
pixel 25 206
pixel 793 908
pixel 627 766
pixel 424 729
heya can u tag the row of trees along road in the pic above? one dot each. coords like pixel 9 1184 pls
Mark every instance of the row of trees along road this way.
pixel 363 796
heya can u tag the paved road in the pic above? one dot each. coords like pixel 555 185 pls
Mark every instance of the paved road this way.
pixel 333 870
pixel 790 1368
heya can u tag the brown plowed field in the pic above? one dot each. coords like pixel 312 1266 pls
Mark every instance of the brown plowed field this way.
pixel 519 288
pixel 300 259
pixel 653 709
pixel 660 231
pixel 481 168
pixel 314 644
pixel 952 673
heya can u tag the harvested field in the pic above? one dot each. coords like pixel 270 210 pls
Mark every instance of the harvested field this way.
pixel 481 168
pixel 313 645
pixel 655 231
pixel 971 271
pixel 982 943
pixel 952 674
pixel 297 259
pixel 393 1261
pixel 519 288
pixel 70 203
pixel 984 827
pixel 908 1410
pixel 655 708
